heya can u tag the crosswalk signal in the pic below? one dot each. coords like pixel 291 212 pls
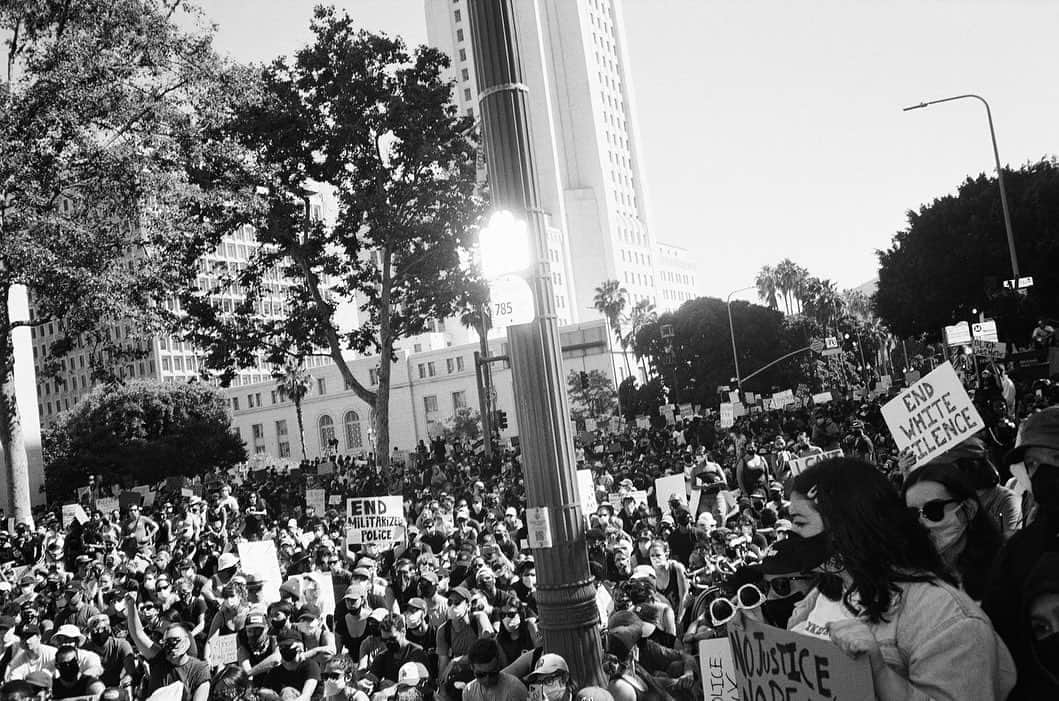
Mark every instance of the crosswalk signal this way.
pixel 501 419
pixel 584 380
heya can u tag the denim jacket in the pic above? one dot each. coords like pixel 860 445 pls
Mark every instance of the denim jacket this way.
pixel 938 639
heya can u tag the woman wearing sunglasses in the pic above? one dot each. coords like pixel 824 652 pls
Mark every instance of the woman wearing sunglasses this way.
pixel 885 594
pixel 966 537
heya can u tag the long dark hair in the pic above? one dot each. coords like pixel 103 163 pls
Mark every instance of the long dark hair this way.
pixel 983 539
pixel 878 539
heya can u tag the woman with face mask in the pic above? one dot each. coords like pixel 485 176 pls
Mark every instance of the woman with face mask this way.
pixel 962 532
pixel 515 634
pixel 884 594
pixel 319 642
pixel 550 679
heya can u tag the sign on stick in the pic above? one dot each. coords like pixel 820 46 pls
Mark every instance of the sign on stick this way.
pixel 375 520
pixel 799 465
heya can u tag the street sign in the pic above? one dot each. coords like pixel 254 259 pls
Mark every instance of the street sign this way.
pixel 958 334
pixel 510 301
pixel 831 346
pixel 1021 284
pixel 985 330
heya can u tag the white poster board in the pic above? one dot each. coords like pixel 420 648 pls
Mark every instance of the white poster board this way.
pixel 587 491
pixel 821 398
pixel 799 465
pixel 222 650
pixel 639 496
pixel 782 399
pixel 727 415
pixel 259 559
pixel 316 498
pixel 932 416
pixel 666 487
pixel 717 670
pixel 378 520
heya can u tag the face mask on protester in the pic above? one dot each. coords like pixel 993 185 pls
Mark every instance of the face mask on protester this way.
pixel 101 636
pixel 948 530
pixel 1045 483
pixel 414 618
pixel 289 653
pixel 68 670
pixel 1047 650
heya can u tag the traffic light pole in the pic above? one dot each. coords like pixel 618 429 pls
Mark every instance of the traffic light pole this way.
pixel 566 594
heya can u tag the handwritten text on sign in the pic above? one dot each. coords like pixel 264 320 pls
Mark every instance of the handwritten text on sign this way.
pixel 378 520
pixel 772 663
pixel 933 415
pixel 800 465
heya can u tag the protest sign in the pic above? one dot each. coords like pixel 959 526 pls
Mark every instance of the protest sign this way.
pixel 258 558
pixel 821 398
pixel 802 391
pixel 316 498
pixel 799 465
pixel 772 663
pixel 782 399
pixel 717 670
pixel 643 423
pixel 988 349
pixel 375 520
pixel 639 496
pixel 733 396
pixel 884 384
pixel 321 592
pixel 739 410
pixel 685 409
pixel 71 512
pixel 538 527
pixel 335 500
pixel 932 416
pixel 326 467
pixel 222 650
pixel 727 415
pixel 590 424
pixel 751 398
pixel 670 485
pixel 186 492
pixel 108 505
pixel 587 490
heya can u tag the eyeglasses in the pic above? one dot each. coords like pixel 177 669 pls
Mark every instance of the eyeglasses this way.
pixel 782 586
pixel 723 610
pixel 934 510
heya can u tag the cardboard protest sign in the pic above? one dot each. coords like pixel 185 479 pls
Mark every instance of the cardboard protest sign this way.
pixel 71 512
pixel 587 491
pixel 222 650
pixel 335 500
pixel 375 520
pixel 258 558
pixel 988 349
pixel 733 396
pixel 590 425
pixel 739 410
pixel 717 670
pixel 643 423
pixel 727 415
pixel 800 465
pixel 932 416
pixel 911 377
pixel 821 398
pixel 316 498
pixel 668 486
pixel 326 467
pixel 108 504
pixel 639 496
pixel 685 409
pixel 782 399
pixel 751 398
pixel 772 663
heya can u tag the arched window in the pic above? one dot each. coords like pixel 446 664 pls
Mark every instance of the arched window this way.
pixel 353 439
pixel 327 432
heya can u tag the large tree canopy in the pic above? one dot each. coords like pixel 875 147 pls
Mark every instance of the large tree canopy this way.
pixel 953 256
pixel 140 433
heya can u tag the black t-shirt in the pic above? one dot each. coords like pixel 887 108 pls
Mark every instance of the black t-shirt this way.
pixel 278 678
pixel 192 674
pixel 78 688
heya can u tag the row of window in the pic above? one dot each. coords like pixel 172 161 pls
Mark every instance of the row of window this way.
pixel 430 369
pixel 677 277
pixel 325 425
pixel 430 403
pixel 639 279
pixel 635 257
pixel 278 396
pixel 677 295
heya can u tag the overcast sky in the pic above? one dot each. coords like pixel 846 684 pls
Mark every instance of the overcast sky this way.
pixel 774 129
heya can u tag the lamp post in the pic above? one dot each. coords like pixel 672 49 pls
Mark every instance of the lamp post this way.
pixel 999 171
pixel 731 330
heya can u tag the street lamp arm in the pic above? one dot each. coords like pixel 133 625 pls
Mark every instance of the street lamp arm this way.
pixel 921 105
pixel 777 360
pixel 731 331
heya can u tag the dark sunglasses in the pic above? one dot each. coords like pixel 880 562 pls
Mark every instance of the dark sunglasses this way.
pixel 781 586
pixel 934 510
pixel 333 675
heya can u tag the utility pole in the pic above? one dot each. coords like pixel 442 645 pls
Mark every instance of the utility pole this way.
pixel 566 596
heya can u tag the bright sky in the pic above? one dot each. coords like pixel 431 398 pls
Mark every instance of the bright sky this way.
pixel 773 128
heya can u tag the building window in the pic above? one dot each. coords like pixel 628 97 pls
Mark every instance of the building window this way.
pixel 459 35
pixel 422 370
pixel 431 369
pixel 321 385
pixel 459 401
pixel 467 94
pixel 281 428
pixel 284 449
pixel 430 404
pixel 327 432
pixel 273 393
pixel 167 364
pixel 450 365
pixel 456 14
pixel 235 403
pixel 353 438
pixel 249 401
pixel 459 363
pixel 463 54
pixel 258 431
pixel 465 74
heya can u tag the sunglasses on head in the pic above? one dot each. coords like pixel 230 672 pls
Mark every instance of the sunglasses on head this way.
pixel 934 510
pixel 723 610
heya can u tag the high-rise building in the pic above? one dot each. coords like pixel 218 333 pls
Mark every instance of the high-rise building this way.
pixel 583 124
pixel 676 277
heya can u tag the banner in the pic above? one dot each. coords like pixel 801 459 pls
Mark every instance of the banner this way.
pixel 108 505
pixel 772 663
pixel 932 416
pixel 73 511
pixel 800 465
pixel 375 520
pixel 259 558
pixel 727 415
pixel 717 670
pixel 821 398
pixel 586 489
pixel 782 399
pixel 316 498
pixel 668 486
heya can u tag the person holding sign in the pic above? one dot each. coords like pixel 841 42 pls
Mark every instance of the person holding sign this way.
pixel 884 592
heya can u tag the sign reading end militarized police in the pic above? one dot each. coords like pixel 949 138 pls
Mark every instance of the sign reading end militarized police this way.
pixel 375 521
pixel 933 415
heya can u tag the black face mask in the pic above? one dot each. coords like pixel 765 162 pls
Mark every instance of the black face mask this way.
pixel 68 671
pixel 392 645
pixel 812 551
pixel 100 637
pixel 289 654
pixel 427 589
pixel 277 625
pixel 777 612
pixel 1047 650
pixel 1045 483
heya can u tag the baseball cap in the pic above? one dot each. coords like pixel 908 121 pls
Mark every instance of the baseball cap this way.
pixel 411 673
pixel 461 592
pixel 356 591
pixel 511 511
pixel 643 572
pixel 27 630
pixel 256 619
pixel 309 611
pixel 289 637
pixel 378 614
pixel 227 560
pixel 547 665
pixel 1038 430
pixel 416 603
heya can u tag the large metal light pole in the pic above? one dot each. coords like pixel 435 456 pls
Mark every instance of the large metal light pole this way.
pixel 731 330
pixel 566 595
pixel 999 172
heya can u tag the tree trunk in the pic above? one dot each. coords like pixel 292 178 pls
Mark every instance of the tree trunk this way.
pixel 382 394
pixel 301 427
pixel 12 442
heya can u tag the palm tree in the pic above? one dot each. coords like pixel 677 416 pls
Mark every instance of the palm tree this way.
pixel 788 273
pixel 610 301
pixel 766 286
pixel 643 314
pixel 294 381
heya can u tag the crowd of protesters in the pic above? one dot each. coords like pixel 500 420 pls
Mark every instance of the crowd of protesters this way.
pixel 945 578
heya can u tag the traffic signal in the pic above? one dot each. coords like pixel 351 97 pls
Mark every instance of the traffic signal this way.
pixel 584 380
pixel 501 419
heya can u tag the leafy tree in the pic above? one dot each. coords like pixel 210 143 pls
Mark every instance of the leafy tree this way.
pixel 466 425
pixel 642 314
pixel 640 400
pixel 766 286
pixel 953 256
pixel 597 400
pixel 610 300
pixel 358 113
pixel 95 122
pixel 140 433
pixel 294 382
